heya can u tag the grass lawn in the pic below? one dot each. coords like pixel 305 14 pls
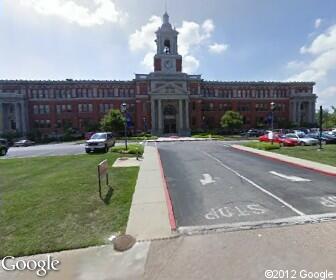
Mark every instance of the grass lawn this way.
pixel 262 145
pixel 132 149
pixel 327 155
pixel 52 203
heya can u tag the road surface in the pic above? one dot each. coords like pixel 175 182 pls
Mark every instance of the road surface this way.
pixel 211 183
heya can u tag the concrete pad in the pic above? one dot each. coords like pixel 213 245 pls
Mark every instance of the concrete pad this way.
pixel 126 162
pixel 92 263
pixel 149 179
pixel 245 254
pixel 149 195
pixel 149 221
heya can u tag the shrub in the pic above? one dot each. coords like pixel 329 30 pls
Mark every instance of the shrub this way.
pixel 263 146
pixel 131 149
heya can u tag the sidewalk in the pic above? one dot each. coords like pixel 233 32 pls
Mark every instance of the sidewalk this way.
pixel 243 255
pixel 312 165
pixel 149 216
pixel 93 263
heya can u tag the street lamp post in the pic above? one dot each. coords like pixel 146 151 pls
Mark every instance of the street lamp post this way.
pixel 272 122
pixel 123 109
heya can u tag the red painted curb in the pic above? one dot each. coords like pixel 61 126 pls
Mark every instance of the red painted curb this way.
pixel 168 199
pixel 288 162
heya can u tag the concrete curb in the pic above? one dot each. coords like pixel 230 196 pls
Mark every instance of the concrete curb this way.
pixel 302 163
pixel 168 199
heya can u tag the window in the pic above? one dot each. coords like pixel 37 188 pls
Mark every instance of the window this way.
pixel 63 108
pixel 36 109
pixel 84 108
pixel 104 108
pixel 243 107
pixel 166 45
pixel 262 107
pixel 41 109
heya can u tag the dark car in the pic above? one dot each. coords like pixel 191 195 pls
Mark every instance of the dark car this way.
pixel 100 141
pixel 254 133
pixel 325 138
pixel 3 147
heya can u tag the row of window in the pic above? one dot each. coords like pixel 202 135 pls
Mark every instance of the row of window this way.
pixel 42 124
pixel 80 93
pixel 241 107
pixel 82 108
pixel 246 93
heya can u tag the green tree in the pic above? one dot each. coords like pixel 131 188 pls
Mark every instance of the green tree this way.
pixel 231 120
pixel 113 121
pixel 328 117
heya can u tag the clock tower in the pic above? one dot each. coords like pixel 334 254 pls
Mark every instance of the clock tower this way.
pixel 167 59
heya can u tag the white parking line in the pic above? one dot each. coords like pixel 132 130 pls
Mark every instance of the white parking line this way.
pixel 290 178
pixel 257 186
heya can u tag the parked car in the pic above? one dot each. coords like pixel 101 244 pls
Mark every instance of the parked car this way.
pixel 23 143
pixel 101 141
pixel 325 138
pixel 303 139
pixel 254 133
pixel 280 139
pixel 88 135
pixel 3 147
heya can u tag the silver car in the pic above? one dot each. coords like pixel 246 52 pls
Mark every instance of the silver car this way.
pixel 303 139
pixel 101 141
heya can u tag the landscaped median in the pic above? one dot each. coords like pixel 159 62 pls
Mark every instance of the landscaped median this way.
pixel 132 149
pixel 52 203
pixel 310 157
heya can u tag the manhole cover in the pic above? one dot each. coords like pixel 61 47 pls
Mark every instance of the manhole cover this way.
pixel 123 242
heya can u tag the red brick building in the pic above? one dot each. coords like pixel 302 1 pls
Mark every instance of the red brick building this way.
pixel 165 101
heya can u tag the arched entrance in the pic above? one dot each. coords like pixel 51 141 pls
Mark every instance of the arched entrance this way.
pixel 169 119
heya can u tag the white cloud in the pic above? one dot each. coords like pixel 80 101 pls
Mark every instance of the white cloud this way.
pixel 318 22
pixel 218 48
pixel 190 64
pixel 328 92
pixel 323 42
pixel 320 65
pixel 323 57
pixel 143 39
pixel 73 12
pixel 192 36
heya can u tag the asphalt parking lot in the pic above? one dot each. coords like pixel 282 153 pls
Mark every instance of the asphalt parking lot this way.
pixel 211 183
pixel 58 149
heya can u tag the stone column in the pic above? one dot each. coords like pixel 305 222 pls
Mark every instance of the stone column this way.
pixel 18 118
pixel 313 111
pixel 180 115
pixel 187 114
pixel 309 114
pixel 1 118
pixel 299 112
pixel 293 111
pixel 160 115
pixel 153 115
pixel 23 118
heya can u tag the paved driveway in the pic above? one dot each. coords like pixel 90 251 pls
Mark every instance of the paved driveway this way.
pixel 45 150
pixel 211 183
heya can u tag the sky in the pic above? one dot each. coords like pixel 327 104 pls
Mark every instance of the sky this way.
pixel 227 40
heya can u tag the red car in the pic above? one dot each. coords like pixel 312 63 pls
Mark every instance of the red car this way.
pixel 280 139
